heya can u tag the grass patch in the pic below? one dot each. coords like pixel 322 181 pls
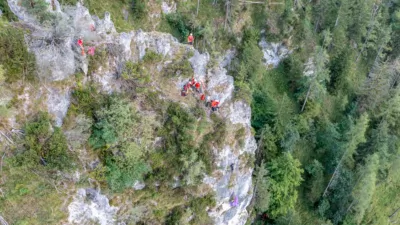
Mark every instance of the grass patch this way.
pixel 115 8
pixel 30 198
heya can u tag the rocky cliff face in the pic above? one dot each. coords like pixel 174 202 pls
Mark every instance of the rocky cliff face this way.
pixel 59 58
pixel 273 52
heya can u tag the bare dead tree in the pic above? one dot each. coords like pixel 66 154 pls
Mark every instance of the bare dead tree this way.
pixel 227 12
pixel 394 213
pixel 198 4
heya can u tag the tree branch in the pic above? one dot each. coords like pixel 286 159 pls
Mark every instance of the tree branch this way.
pixel 394 213
pixel 3 221
pixel 7 138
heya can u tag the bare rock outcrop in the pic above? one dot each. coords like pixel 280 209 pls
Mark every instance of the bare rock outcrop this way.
pixel 91 207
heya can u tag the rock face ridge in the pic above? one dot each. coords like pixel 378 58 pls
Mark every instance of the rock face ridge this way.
pixel 89 206
pixel 132 46
pixel 273 52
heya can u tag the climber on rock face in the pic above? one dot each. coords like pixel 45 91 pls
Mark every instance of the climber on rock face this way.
pixel 202 97
pixel 80 43
pixel 192 81
pixel 190 39
pixel 235 200
pixel 198 87
pixel 185 89
pixel 214 105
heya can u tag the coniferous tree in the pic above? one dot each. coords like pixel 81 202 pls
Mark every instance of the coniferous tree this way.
pixel 364 190
pixel 284 177
pixel 262 194
pixel 317 76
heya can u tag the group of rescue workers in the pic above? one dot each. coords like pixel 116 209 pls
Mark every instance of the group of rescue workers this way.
pixel 198 87
pixel 90 49
pixel 192 84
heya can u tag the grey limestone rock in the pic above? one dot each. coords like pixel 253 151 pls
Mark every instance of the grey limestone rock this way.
pixel 168 8
pixel 58 101
pixel 273 52
pixel 89 206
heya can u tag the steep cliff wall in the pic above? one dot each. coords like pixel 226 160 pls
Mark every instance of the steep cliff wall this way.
pixel 59 58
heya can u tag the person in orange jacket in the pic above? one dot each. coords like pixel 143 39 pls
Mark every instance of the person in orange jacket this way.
pixel 190 39
pixel 214 105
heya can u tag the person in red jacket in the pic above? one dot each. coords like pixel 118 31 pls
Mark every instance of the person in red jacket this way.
pixel 80 43
pixel 202 97
pixel 190 39
pixel 198 87
pixel 214 105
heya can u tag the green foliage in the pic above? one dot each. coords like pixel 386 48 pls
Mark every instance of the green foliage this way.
pixel 152 57
pixel 179 68
pixel 44 144
pixel 55 151
pixel 68 2
pixel 26 193
pixel 262 194
pixel 217 137
pixel 178 130
pixel 6 11
pixel 181 156
pixel 86 100
pixel 267 145
pixel 14 55
pixel 183 25
pixel 199 205
pixel 97 60
pixel 290 137
pixel 139 9
pixel 78 133
pixel 113 123
pixel 37 132
pixel 136 76
pixel 249 64
pixel 175 216
pixel 315 181
pixel 364 189
pixel 284 177
pixel 354 136
pixel 38 8
pixel 318 75
pixel 240 136
pixel 125 167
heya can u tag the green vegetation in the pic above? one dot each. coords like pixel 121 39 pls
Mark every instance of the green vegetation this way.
pixel 325 119
pixel 6 11
pixel 14 56
pixel 284 177
pixel 39 8
pixel 125 167
pixel 179 67
pixel 97 60
pixel 44 144
pixel 333 122
pixel 113 123
pixel 139 9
